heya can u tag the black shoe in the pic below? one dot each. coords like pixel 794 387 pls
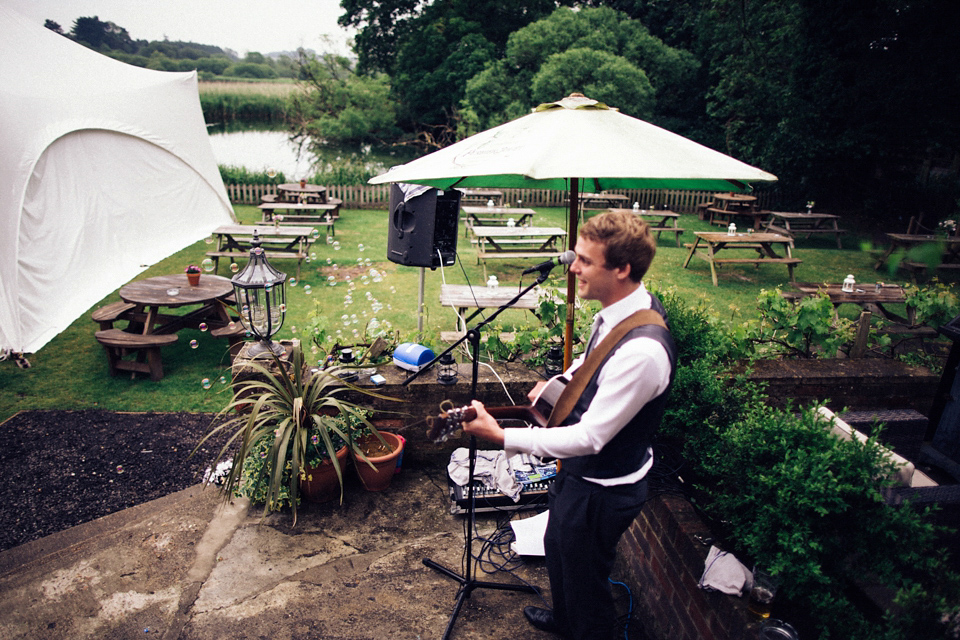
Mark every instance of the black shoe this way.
pixel 542 619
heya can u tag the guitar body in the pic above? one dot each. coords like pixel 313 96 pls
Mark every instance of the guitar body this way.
pixel 536 413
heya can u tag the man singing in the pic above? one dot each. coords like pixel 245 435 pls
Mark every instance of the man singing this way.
pixel 604 444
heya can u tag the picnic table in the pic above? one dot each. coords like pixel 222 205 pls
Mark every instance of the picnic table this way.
pixel 152 295
pixel 728 207
pixel 235 241
pixel 312 193
pixel 517 242
pixel 151 327
pixel 762 243
pixel 949 258
pixel 490 216
pixel 791 224
pixel 317 215
pixel 481 196
pixel 463 297
pixel 602 200
pixel 318 211
pixel 873 299
pixel 660 220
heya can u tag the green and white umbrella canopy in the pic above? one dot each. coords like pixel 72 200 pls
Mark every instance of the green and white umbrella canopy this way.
pixel 577 145
pixel 578 138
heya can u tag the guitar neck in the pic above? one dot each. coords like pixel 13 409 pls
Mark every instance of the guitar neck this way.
pixel 526 412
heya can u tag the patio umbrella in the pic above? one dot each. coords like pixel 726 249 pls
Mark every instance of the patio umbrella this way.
pixel 577 145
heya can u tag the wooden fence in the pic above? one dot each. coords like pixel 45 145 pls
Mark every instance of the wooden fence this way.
pixel 378 196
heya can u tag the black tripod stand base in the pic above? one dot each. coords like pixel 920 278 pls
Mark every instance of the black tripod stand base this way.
pixel 467 585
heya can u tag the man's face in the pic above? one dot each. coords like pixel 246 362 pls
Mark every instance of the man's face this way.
pixel 594 280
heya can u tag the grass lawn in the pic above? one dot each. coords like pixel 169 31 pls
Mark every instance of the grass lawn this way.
pixel 70 372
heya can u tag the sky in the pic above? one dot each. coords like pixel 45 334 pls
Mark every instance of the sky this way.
pixel 264 26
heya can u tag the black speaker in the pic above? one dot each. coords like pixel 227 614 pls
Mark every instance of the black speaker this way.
pixel 423 230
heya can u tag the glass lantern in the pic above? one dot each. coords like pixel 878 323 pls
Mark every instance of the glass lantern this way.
pixel 347 360
pixel 447 370
pixel 261 299
pixel 553 363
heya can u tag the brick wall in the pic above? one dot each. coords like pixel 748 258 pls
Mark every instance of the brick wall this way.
pixel 665 561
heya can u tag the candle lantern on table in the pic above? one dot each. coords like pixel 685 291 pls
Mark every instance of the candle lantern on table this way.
pixel 447 370
pixel 261 299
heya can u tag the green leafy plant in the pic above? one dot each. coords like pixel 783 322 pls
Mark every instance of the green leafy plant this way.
pixel 287 419
pixel 809 507
pixel 935 305
pixel 805 328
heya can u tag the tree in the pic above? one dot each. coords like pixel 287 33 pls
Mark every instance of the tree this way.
pixel 97 34
pixel 845 101
pixel 53 26
pixel 600 75
pixel 338 105
pixel 432 71
pixel 595 51
pixel 431 49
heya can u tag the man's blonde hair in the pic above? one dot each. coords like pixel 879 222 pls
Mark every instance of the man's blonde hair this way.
pixel 626 239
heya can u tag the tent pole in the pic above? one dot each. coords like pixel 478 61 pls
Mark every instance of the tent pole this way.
pixel 571 279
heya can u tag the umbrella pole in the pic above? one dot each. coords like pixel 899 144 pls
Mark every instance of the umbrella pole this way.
pixel 571 279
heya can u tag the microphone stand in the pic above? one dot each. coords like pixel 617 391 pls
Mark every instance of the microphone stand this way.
pixel 467 582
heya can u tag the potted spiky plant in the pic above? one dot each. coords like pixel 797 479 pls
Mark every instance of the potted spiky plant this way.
pixel 291 422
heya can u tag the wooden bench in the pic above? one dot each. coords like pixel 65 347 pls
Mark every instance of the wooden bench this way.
pixel 106 315
pixel 119 344
pixel 271 255
pixel 234 332
pixel 332 208
pixel 310 221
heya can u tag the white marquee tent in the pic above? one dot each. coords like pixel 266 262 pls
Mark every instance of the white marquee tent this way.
pixel 105 169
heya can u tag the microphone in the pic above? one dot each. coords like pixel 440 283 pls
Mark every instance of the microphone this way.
pixel 567 257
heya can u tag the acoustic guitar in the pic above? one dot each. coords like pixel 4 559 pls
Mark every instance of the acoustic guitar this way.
pixel 537 413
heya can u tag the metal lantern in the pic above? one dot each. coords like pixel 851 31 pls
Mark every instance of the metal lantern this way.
pixel 447 370
pixel 261 299
pixel 553 363
pixel 347 360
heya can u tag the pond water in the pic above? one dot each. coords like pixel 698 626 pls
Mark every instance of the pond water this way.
pixel 259 150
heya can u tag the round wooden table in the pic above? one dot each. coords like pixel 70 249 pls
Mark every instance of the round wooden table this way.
pixel 152 294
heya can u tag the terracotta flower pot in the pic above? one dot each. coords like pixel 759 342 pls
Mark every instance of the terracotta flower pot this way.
pixel 321 483
pixel 193 279
pixel 385 466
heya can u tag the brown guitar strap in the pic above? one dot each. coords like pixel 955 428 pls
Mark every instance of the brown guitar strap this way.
pixel 582 376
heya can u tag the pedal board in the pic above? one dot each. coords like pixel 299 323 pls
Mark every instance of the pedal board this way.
pixel 532 495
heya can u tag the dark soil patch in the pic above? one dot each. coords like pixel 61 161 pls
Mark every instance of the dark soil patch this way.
pixel 64 468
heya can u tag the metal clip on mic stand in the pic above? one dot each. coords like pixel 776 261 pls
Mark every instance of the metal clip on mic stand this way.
pixel 467 582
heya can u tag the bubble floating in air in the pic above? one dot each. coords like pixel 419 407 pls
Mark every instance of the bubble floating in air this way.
pixel 207 264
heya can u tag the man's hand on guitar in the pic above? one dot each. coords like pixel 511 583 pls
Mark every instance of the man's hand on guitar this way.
pixel 484 426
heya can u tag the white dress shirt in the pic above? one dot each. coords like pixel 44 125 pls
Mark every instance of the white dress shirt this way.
pixel 635 374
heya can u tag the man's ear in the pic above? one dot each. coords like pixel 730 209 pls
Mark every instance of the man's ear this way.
pixel 623 273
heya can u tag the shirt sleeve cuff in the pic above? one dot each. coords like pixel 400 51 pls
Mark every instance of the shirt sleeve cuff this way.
pixel 517 440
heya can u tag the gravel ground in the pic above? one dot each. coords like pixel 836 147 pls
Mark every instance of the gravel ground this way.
pixel 64 468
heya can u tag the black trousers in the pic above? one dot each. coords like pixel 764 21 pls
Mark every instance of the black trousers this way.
pixel 586 522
